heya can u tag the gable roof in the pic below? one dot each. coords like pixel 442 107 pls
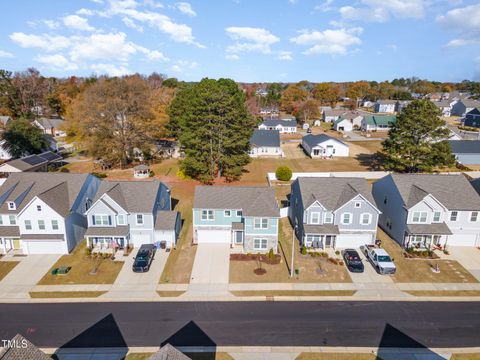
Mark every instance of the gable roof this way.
pixel 443 104
pixel 253 201
pixel 333 192
pixel 284 123
pixel 132 196
pixel 471 103
pixel 32 161
pixel 26 351
pixel 50 123
pixel 57 190
pixel 474 111
pixel 453 191
pixel 380 119
pixel 269 138
pixel 166 220
pixel 465 146
pixel 169 352
pixel 314 140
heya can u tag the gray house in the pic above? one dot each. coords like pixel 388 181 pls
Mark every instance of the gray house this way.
pixel 472 118
pixel 467 152
pixel 265 143
pixel 333 212
pixel 462 107
pixel 427 210
pixel 132 212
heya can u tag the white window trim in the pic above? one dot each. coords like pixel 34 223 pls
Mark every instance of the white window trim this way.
pixel 359 203
pixel 102 217
pixel 456 216
pixel 349 218
pixel 311 217
pixel 260 240
pixel 123 222
pixel 136 219
pixel 29 224
pixel 439 218
pixel 207 212
pixel 476 217
pixel 369 219
pixel 229 213
pixel 44 225
pixel 11 205
pixel 57 224
pixel 325 218
pixel 261 223
pixel 241 213
pixel 10 218
pixel 419 217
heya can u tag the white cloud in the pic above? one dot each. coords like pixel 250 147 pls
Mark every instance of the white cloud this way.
pixel 232 57
pixel 465 22
pixel 85 12
pixel 284 55
pixel 186 8
pixel 181 65
pixel 45 42
pixel 382 10
pixel 461 42
pixel 109 69
pixel 51 24
pixel 325 6
pixel 56 62
pixel 132 24
pixel 152 55
pixel 251 39
pixel 77 23
pixel 106 47
pixel 334 42
pixel 5 54
pixel 392 47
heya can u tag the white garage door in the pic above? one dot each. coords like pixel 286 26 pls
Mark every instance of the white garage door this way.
pixel 139 239
pixel 214 236
pixel 44 246
pixel 462 240
pixel 353 240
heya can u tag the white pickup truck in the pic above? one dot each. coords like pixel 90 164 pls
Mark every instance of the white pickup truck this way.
pixel 380 259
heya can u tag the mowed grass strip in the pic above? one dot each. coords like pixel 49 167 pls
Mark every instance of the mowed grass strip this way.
pixel 166 293
pixel 6 267
pixel 65 294
pixel 443 292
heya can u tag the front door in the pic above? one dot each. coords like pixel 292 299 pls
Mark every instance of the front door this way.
pixel 328 241
pixel 238 237
pixel 329 151
pixel 16 244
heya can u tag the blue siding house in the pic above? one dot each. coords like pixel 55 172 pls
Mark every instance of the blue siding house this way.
pixel 244 217
pixel 472 118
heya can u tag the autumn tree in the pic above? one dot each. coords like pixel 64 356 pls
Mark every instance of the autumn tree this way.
pixel 326 93
pixel 422 87
pixel 357 91
pixel 292 98
pixel 32 90
pixel 22 138
pixel 416 143
pixel 213 125
pixel 308 110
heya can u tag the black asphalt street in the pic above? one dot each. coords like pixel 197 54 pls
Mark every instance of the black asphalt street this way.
pixel 377 324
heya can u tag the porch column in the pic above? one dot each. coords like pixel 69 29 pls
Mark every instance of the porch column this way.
pixel 88 241
pixel 4 245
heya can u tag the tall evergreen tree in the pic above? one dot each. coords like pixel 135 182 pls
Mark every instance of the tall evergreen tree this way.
pixel 22 138
pixel 214 127
pixel 416 143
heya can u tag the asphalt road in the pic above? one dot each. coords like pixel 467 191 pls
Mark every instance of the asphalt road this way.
pixel 378 324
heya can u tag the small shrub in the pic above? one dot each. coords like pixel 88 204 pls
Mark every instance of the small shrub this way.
pixel 182 175
pixel 283 173
pixel 446 252
pixel 271 255
pixel 151 173
pixel 64 170
pixel 99 175
pixel 337 252
pixel 88 251
pixel 304 250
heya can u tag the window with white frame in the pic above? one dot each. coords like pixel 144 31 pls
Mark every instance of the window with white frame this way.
pixel 473 216
pixel 208 215
pixel 260 244
pixel 436 216
pixel 239 213
pixel 12 220
pixel 366 219
pixel 346 218
pixel 260 223
pixel 28 224
pixel 228 213
pixel 419 217
pixel 328 217
pixel 358 204
pixel 102 220
pixel 315 218
pixel 39 207
pixel 41 224
pixel 139 219
pixel 454 216
pixel 11 205
pixel 54 224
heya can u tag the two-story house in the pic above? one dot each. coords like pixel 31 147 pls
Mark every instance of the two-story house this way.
pixel 285 126
pixel 472 118
pixel 426 210
pixel 132 212
pixel 42 213
pixel 333 212
pixel 244 217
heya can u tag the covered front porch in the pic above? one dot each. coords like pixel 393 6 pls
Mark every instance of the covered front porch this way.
pixel 102 238
pixel 320 237
pixel 427 236
pixel 10 239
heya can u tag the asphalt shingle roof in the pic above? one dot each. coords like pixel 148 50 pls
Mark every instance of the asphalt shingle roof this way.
pixel 50 123
pixel 465 146
pixel 284 123
pixel 269 138
pixel 453 191
pixel 169 352
pixel 314 140
pixel 253 201
pixel 332 192
pixel 24 350
pixel 166 220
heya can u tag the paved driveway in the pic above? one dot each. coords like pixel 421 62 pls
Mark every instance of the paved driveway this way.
pixel 25 275
pixel 212 263
pixel 369 275
pixel 138 285
pixel 468 257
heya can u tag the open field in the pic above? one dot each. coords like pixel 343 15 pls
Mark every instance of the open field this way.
pixel 415 270
pixel 6 267
pixel 81 266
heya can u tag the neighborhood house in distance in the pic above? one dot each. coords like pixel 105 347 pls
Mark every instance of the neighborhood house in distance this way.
pixel 265 143
pixel 244 217
pixel 324 146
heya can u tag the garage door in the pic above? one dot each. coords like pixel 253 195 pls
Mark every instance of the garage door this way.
pixel 353 240
pixel 139 239
pixel 214 236
pixel 44 246
pixel 462 240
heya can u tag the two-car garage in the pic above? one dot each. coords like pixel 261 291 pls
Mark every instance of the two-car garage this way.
pixel 344 241
pixel 44 244
pixel 209 236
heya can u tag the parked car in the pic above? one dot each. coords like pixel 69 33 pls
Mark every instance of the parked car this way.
pixel 144 258
pixel 353 261
pixel 379 258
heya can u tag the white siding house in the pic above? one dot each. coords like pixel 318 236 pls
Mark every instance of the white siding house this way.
pixel 324 146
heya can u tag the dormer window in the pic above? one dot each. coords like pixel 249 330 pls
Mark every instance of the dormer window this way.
pixel 11 205
pixel 39 207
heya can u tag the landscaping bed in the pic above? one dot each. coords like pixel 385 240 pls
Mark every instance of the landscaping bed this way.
pixel 419 254
pixel 264 258
pixel 6 267
pixel 443 292
pixel 166 293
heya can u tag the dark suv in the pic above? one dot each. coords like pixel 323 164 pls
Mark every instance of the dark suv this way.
pixel 353 261
pixel 144 258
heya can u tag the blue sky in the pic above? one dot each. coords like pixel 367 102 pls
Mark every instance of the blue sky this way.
pixel 247 40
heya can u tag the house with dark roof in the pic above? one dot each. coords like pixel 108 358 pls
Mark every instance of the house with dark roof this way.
pixel 19 348
pixel 53 127
pixel 467 152
pixel 43 213
pixel 385 106
pixel 322 146
pixel 265 143
pixel 132 213
pixel 472 118
pixel 462 107
pixel 428 210
pixel 246 218
pixel 285 126
pixel 30 163
pixel 333 212
pixel 169 352
pixel 378 122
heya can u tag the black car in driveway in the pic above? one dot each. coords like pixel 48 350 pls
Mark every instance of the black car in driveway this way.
pixel 144 258
pixel 353 261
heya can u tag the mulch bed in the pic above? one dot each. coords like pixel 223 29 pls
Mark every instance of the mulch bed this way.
pixel 422 255
pixel 260 271
pixel 256 257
